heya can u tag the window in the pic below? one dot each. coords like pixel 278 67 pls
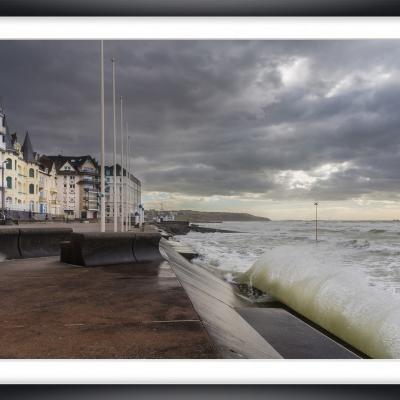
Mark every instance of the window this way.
pixel 8 163
pixel 31 173
pixel 9 182
pixel 8 202
pixel 31 188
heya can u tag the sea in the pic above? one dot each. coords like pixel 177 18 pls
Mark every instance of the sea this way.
pixel 369 248
pixel 347 281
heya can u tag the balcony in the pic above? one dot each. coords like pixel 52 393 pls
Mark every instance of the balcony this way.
pixel 90 182
pixel 88 171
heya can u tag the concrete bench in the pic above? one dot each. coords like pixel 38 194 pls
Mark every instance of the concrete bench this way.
pixel 9 247
pixel 32 242
pixel 110 248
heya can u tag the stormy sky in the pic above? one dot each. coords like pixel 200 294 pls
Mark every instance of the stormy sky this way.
pixel 266 127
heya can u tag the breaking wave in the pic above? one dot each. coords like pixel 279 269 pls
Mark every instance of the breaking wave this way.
pixel 339 300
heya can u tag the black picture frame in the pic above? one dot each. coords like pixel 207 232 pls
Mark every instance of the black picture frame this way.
pixel 197 392
pixel 208 8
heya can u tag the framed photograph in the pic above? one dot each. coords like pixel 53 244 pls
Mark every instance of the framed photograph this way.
pixel 199 200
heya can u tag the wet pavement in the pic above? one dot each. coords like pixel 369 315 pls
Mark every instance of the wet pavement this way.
pixel 77 226
pixel 55 310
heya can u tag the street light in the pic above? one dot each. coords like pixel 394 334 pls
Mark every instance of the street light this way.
pixel 3 189
pixel 316 221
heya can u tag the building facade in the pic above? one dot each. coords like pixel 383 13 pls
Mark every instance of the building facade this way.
pixel 134 192
pixel 62 186
pixel 49 202
pixel 22 174
pixel 77 185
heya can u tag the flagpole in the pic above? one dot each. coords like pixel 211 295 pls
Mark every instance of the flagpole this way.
pixel 122 170
pixel 131 183
pixel 102 180
pixel 127 180
pixel 115 154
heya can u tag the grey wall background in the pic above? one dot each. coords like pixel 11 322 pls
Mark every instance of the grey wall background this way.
pixel 203 7
pixel 200 392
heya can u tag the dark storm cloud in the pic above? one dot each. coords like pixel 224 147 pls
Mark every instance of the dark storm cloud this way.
pixel 221 117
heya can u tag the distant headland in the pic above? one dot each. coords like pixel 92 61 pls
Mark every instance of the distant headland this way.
pixel 212 216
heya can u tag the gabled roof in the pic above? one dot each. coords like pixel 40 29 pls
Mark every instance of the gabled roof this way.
pixel 75 161
pixel 27 149
pixel 46 163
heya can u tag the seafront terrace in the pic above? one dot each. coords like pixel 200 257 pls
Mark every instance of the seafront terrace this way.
pixel 159 306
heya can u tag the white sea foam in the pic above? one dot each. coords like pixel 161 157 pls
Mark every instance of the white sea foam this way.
pixel 349 283
pixel 369 248
pixel 339 300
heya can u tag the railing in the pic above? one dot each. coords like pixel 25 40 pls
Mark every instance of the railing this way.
pixel 85 180
pixel 17 207
pixel 88 170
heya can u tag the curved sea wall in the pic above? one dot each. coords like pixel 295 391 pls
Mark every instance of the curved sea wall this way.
pixel 339 301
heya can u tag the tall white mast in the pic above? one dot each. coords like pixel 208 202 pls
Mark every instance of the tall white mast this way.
pixel 115 154
pixel 102 180
pixel 130 184
pixel 122 171
pixel 127 182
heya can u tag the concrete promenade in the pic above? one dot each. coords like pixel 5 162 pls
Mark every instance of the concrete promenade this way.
pixel 159 306
pixel 76 226
pixel 54 310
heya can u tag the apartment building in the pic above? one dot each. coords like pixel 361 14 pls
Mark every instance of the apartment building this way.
pixel 48 188
pixel 134 190
pixel 77 185
pixel 21 171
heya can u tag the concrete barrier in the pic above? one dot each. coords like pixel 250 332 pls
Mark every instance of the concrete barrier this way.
pixel 109 248
pixel 41 242
pixel 174 227
pixel 146 247
pixel 9 245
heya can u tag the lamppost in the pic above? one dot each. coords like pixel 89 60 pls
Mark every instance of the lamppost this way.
pixel 3 189
pixel 316 221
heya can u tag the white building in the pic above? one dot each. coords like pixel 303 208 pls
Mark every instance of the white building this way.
pixel 21 173
pixel 134 191
pixel 78 185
